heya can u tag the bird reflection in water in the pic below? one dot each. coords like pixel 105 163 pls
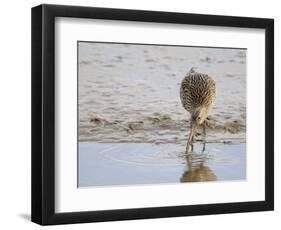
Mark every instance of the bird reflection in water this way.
pixel 196 170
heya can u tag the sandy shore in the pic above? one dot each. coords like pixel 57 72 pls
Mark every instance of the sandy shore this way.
pixel 130 93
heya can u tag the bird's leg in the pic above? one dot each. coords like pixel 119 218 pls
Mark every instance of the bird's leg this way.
pixel 192 139
pixel 187 147
pixel 189 162
pixel 189 140
pixel 187 152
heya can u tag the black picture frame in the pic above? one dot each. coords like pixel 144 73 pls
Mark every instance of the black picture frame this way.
pixel 43 114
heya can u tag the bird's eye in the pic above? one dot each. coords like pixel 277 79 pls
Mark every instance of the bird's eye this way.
pixel 198 118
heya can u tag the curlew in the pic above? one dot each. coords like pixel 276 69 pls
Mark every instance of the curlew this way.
pixel 197 94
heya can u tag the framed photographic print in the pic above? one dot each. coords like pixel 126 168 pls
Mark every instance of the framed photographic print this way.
pixel 142 114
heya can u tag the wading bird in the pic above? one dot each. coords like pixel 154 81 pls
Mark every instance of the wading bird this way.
pixel 197 94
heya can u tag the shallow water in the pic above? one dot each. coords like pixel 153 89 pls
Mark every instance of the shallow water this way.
pixel 130 93
pixel 104 164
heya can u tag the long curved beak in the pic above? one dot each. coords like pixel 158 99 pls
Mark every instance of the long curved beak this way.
pixel 193 127
pixel 192 131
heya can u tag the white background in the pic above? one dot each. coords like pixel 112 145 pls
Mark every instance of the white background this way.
pixel 15 114
pixel 70 199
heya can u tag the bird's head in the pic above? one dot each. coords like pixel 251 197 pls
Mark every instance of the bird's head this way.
pixel 198 116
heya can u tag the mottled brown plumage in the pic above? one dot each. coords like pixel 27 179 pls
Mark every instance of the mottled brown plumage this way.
pixel 197 94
